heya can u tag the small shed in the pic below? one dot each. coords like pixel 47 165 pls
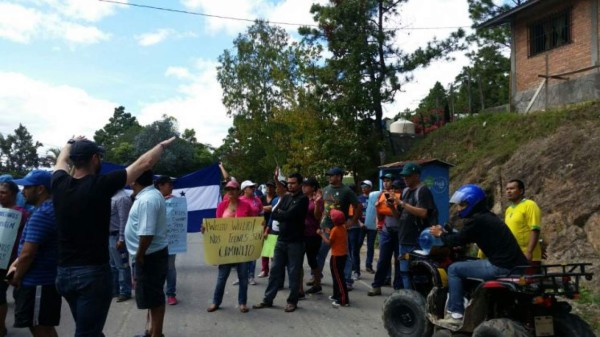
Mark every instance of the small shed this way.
pixel 435 174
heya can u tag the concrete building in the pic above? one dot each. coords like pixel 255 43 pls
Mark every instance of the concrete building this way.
pixel 554 56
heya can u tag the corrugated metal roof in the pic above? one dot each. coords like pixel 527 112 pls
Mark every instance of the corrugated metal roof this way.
pixel 421 162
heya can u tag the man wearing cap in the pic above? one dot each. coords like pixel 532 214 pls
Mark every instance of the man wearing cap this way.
pixel 37 302
pixel 417 212
pixel 369 222
pixel 147 242
pixel 82 205
pixel 388 236
pixel 336 195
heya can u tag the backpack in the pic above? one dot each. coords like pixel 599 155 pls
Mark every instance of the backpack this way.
pixel 432 218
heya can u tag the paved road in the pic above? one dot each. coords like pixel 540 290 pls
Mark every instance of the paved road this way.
pixel 196 280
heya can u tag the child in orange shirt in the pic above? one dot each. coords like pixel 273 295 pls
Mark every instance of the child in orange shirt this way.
pixel 338 240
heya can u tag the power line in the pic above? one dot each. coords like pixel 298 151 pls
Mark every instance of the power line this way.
pixel 253 20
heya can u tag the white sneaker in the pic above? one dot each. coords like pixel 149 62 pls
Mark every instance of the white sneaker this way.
pixel 236 282
pixel 452 318
pixel 251 281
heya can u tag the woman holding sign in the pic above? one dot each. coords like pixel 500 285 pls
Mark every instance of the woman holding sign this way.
pixel 232 207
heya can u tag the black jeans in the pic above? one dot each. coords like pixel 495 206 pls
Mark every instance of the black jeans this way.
pixel 290 254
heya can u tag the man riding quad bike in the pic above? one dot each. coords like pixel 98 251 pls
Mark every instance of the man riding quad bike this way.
pixel 501 296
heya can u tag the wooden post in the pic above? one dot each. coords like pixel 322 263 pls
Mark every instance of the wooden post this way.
pixel 547 84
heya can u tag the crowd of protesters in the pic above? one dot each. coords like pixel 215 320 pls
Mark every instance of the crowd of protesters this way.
pixel 88 241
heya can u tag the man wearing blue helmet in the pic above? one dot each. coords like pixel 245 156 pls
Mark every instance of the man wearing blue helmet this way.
pixel 489 233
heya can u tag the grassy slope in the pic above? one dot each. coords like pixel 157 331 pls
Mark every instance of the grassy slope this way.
pixel 494 137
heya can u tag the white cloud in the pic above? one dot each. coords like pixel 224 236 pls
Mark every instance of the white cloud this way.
pixel 153 38
pixel 197 107
pixel 242 9
pixel 18 23
pixel 161 35
pixel 418 14
pixel 178 72
pixel 51 113
pixel 81 34
pixel 88 10
pixel 55 20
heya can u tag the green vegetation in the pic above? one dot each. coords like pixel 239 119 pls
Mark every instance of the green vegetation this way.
pixel 589 298
pixel 494 137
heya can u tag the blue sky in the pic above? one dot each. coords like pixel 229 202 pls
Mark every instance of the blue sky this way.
pixel 66 64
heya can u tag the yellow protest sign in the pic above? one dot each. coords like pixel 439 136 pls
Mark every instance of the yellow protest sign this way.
pixel 232 240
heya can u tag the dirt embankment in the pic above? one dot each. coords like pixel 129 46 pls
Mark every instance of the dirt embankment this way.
pixel 562 174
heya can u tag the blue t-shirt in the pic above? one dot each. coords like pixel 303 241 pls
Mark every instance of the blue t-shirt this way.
pixel 41 229
pixel 371 213
pixel 147 217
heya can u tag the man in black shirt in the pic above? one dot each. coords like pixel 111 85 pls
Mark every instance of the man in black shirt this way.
pixel 289 249
pixel 489 233
pixel 82 204
pixel 417 212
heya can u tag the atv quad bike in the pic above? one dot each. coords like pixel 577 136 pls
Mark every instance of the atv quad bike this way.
pixel 524 303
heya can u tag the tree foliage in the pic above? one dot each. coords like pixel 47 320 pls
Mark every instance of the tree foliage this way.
pixel 18 152
pixel 182 157
pixel 118 136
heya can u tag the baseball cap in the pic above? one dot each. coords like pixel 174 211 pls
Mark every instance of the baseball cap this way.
pixel 36 178
pixel 84 148
pixel 270 183
pixel 334 171
pixel 232 184
pixel 410 168
pixel 311 182
pixel 337 217
pixel 387 176
pixel 163 180
pixel 367 183
pixel 6 178
pixel 397 184
pixel 247 183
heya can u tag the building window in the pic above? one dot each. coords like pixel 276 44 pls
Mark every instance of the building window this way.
pixel 550 33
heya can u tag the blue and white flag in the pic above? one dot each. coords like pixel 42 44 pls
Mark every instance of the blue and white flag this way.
pixel 202 191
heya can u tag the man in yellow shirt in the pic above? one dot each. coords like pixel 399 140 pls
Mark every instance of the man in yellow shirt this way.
pixel 523 217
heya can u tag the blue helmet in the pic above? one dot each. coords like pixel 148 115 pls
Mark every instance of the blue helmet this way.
pixel 471 195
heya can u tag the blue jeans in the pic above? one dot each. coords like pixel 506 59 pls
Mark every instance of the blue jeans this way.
pixel 347 268
pixel 354 245
pixel 290 254
pixel 121 272
pixel 405 249
pixel 171 277
pixel 481 269
pixel 388 247
pixel 322 255
pixel 224 270
pixel 371 234
pixel 251 268
pixel 88 290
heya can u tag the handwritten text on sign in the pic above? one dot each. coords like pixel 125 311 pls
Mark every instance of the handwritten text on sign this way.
pixel 232 240
pixel 177 224
pixel 9 226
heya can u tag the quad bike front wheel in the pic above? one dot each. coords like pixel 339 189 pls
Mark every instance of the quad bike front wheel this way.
pixel 404 315
pixel 448 333
pixel 501 327
pixel 569 325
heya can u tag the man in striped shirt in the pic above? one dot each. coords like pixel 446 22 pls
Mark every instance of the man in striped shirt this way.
pixel 37 302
